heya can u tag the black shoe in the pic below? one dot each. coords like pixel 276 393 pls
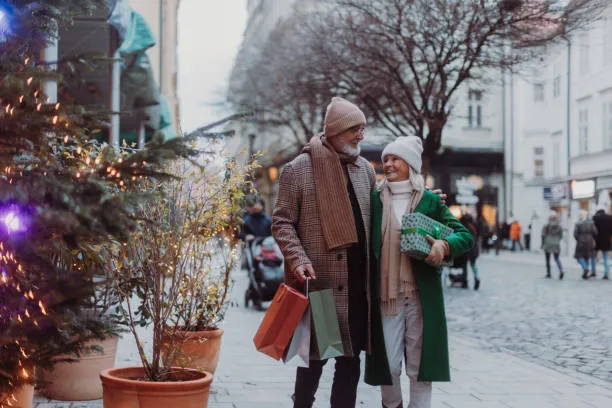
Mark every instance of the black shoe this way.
pixel 464 285
pixel 585 275
pixel 548 276
pixel 561 276
pixel 476 284
pixel 592 275
pixel 605 278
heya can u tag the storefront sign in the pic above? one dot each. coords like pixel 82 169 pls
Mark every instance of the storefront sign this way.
pixel 465 191
pixel 556 192
pixel 583 189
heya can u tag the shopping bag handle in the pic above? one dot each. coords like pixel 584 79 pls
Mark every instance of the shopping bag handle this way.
pixel 306 286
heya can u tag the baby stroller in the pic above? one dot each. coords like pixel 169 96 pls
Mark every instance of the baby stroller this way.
pixel 265 269
pixel 456 272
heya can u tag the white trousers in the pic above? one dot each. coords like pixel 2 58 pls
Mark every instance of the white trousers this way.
pixel 403 341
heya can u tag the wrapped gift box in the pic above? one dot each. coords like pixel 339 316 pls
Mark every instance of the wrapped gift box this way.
pixel 415 228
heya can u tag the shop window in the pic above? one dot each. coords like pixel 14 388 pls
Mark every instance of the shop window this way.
pixel 584 205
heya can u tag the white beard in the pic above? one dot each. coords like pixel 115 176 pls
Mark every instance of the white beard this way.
pixel 350 150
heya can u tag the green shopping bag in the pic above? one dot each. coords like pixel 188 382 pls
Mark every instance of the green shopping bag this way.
pixel 326 338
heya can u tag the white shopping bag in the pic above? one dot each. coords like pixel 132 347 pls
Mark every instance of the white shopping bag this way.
pixel 300 342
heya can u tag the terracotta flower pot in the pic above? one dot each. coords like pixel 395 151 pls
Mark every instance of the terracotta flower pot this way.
pixel 80 381
pixel 123 388
pixel 201 347
pixel 23 396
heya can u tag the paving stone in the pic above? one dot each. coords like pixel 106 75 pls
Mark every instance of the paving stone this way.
pixel 560 324
pixel 520 341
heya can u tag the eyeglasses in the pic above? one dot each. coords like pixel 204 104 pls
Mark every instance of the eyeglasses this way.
pixel 357 129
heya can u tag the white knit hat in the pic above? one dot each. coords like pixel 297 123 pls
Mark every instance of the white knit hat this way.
pixel 408 148
pixel 342 115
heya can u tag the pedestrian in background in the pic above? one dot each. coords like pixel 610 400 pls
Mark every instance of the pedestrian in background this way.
pixel 515 235
pixel 603 240
pixel 584 234
pixel 552 233
pixel 472 255
pixel 407 311
pixel 528 237
pixel 504 235
pixel 256 223
pixel 484 232
pixel 321 222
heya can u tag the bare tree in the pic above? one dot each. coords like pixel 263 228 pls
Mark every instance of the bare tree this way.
pixel 402 60
pixel 406 59
pixel 282 93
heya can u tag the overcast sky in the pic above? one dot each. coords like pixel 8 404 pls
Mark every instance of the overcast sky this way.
pixel 210 33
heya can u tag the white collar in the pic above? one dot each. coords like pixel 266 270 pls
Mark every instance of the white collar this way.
pixel 400 187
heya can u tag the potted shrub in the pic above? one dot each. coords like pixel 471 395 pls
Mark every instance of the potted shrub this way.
pixel 213 206
pixel 57 201
pixel 173 275
pixel 76 377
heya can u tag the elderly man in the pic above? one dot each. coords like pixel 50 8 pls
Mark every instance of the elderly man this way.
pixel 321 222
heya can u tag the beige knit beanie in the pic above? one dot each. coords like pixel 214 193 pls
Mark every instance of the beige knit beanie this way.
pixel 342 115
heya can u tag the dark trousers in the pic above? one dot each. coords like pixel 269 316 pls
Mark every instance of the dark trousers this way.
pixel 527 242
pixel 557 261
pixel 484 243
pixel 344 387
pixel 514 242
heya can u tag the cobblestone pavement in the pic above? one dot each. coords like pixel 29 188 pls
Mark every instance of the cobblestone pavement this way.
pixel 520 341
pixel 564 324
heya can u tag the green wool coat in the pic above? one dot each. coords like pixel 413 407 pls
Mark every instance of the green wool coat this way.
pixel 434 356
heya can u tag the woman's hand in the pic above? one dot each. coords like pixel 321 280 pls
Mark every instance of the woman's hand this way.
pixel 438 192
pixel 438 251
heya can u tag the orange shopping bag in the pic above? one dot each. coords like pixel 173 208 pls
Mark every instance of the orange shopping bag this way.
pixel 279 323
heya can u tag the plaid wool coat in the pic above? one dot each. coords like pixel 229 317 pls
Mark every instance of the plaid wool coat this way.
pixel 296 226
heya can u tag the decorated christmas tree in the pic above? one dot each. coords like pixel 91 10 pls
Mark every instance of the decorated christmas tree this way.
pixel 64 200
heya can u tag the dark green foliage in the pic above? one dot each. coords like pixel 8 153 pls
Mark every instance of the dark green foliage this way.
pixel 77 199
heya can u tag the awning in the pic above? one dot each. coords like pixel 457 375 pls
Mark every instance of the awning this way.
pixel 140 94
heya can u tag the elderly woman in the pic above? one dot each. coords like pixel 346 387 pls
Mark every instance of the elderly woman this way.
pixel 407 311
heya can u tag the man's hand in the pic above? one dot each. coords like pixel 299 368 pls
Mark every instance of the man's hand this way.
pixel 437 253
pixel 439 192
pixel 303 271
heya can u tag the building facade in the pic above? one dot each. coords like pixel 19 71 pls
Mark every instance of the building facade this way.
pixel 561 144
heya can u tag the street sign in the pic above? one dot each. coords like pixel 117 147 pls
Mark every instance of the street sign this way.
pixel 556 192
pixel 583 189
pixel 465 192
pixel 466 199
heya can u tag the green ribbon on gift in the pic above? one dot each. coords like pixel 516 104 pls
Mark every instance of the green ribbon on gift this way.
pixel 437 232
